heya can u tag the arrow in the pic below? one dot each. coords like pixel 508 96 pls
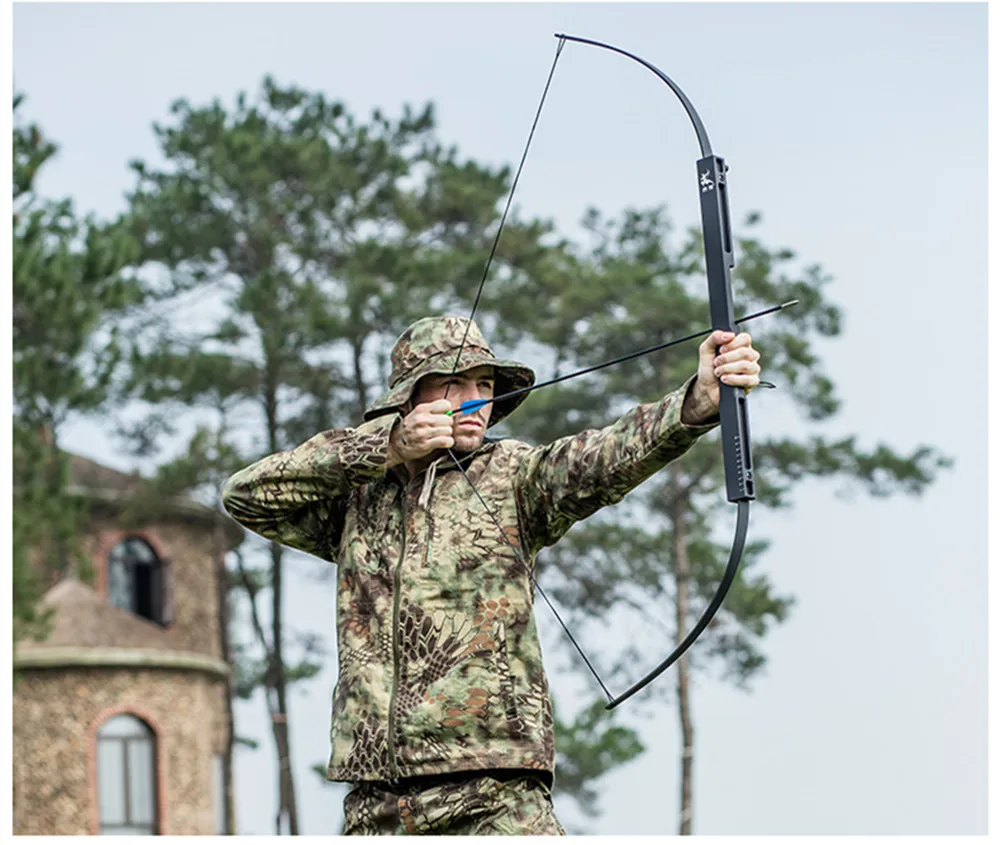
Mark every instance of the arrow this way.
pixel 475 404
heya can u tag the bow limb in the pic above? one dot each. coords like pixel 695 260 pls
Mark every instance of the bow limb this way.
pixel 735 554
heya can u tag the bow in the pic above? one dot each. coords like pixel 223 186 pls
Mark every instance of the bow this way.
pixel 733 404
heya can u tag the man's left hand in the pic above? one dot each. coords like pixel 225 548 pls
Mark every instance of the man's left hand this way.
pixel 721 355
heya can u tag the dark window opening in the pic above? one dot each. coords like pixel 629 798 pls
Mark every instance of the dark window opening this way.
pixel 137 580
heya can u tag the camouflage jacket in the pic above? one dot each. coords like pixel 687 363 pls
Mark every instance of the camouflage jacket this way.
pixel 440 664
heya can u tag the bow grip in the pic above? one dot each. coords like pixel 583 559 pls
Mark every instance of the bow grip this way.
pixel 734 414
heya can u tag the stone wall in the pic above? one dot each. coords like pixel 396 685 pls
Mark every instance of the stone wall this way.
pixel 56 714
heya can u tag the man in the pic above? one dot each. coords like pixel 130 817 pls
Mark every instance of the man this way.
pixel 441 714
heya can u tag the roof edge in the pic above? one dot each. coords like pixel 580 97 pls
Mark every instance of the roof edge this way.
pixel 62 657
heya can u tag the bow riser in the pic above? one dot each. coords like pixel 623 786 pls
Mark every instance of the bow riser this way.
pixel 734 412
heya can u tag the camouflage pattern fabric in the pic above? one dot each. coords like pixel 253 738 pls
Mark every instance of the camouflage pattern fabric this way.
pixel 440 664
pixel 479 806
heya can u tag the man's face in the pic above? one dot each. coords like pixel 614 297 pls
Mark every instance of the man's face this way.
pixel 477 383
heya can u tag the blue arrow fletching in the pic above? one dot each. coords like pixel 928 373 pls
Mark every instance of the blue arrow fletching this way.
pixel 473 405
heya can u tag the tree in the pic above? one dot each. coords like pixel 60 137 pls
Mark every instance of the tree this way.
pixel 70 283
pixel 633 288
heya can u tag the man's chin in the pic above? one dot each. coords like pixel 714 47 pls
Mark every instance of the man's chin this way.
pixel 469 442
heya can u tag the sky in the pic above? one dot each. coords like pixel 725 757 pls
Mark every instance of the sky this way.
pixel 860 132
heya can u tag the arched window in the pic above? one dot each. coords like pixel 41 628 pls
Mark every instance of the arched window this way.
pixel 138 581
pixel 126 776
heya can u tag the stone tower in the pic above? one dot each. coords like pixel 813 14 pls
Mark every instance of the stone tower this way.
pixel 120 716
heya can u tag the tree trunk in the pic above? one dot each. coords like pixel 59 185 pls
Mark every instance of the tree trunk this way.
pixel 222 588
pixel 277 681
pixel 279 715
pixel 681 574
pixel 359 378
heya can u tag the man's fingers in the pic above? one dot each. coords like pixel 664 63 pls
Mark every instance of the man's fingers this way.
pixel 740 356
pixel 717 339
pixel 426 434
pixel 430 415
pixel 721 341
pixel 744 367
pixel 740 348
pixel 751 367
pixel 438 406
pixel 430 411
pixel 740 341
pixel 737 380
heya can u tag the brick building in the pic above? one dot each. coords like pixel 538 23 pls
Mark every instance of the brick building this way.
pixel 120 716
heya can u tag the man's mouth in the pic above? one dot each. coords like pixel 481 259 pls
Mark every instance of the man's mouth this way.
pixel 470 424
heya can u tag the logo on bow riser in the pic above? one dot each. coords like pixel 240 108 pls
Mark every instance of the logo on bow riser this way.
pixel 706 183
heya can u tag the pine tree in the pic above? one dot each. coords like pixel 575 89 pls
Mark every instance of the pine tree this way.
pixel 70 285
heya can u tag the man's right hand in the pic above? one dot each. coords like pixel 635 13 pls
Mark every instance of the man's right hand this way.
pixel 423 430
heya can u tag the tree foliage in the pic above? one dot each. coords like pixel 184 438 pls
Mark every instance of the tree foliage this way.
pixel 70 282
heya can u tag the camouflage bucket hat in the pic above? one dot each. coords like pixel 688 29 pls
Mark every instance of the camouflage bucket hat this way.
pixel 429 347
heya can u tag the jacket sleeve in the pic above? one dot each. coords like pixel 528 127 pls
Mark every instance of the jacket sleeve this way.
pixel 569 479
pixel 299 498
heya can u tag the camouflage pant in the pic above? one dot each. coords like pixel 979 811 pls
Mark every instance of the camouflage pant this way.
pixel 478 806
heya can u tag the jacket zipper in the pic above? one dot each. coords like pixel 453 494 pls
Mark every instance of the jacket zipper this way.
pixel 393 763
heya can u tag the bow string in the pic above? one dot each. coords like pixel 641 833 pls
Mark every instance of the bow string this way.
pixel 733 405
